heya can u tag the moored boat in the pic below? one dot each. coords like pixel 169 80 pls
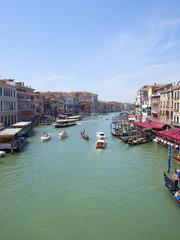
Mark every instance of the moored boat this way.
pixel 45 137
pixel 100 135
pixel 170 185
pixel 177 157
pixel 2 153
pixel 100 143
pixel 62 134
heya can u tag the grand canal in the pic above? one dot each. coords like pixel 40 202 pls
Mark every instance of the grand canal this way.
pixel 66 189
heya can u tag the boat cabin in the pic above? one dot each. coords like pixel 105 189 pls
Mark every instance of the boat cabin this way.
pixel 11 140
pixel 64 123
pixel 76 117
pixel 25 126
pixel 100 144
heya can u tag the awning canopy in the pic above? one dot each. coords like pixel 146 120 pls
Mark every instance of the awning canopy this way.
pixel 149 124
pixel 9 132
pixel 21 124
pixel 172 134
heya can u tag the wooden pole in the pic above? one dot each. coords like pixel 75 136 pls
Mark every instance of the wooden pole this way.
pixel 12 149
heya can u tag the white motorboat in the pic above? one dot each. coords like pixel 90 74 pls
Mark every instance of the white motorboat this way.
pixel 62 134
pixel 2 153
pixel 45 137
pixel 100 135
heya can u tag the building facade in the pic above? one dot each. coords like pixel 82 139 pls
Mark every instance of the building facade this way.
pixel 25 102
pixel 38 104
pixel 8 102
pixel 175 121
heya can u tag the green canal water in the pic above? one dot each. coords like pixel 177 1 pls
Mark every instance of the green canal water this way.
pixel 66 189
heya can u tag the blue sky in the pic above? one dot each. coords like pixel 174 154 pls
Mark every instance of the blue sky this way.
pixel 111 48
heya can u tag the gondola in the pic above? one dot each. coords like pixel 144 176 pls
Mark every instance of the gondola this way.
pixel 83 135
pixel 170 185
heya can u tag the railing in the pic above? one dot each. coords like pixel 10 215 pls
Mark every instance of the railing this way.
pixel 9 111
pixel 175 123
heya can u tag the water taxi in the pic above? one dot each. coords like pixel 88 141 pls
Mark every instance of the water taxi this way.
pixel 100 143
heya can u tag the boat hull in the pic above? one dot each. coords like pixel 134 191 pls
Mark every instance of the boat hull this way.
pixel 45 139
pixel 177 158
pixel 62 135
pixel 64 125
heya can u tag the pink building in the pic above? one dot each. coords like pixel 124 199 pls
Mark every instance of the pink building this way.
pixel 25 102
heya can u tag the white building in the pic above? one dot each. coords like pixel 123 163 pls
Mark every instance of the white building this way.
pixel 8 103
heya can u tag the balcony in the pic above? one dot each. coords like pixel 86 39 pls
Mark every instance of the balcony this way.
pixel 154 111
pixel 175 124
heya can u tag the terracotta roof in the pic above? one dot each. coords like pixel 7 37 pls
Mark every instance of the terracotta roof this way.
pixel 176 87
pixel 18 84
pixel 7 80
pixel 81 93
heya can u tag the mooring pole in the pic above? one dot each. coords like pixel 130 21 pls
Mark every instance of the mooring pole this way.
pixel 169 158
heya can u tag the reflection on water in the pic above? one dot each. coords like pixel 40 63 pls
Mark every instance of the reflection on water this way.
pixel 66 189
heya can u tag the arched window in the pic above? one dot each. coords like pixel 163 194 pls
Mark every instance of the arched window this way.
pixel 5 122
pixel 2 120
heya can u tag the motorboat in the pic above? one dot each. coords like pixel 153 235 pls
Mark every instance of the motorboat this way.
pixel 100 135
pixel 45 137
pixel 62 134
pixel 100 143
pixel 2 153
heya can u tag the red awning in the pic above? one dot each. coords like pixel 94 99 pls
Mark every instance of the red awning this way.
pixel 149 124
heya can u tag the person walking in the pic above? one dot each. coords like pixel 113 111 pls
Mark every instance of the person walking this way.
pixel 176 179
